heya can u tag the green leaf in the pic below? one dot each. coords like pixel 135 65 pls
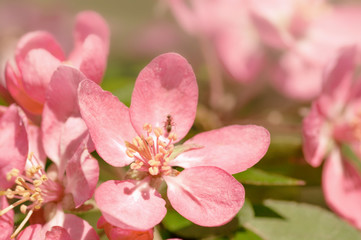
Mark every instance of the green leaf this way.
pixel 300 221
pixel 246 213
pixel 184 228
pixel 254 176
pixel 244 234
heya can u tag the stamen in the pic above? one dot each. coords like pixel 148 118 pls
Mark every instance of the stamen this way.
pixel 22 224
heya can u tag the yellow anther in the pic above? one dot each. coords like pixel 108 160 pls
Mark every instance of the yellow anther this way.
pixel 138 141
pixel 10 194
pixel 150 141
pixel 134 166
pixel 129 153
pixel 154 163
pixel 163 150
pixel 25 194
pixel 153 171
pixel 158 132
pixel 44 178
pixel 172 136
pixel 13 173
pixel 147 127
pixel 161 143
pixel 158 157
pixel 19 189
pixel 37 182
pixel 37 207
pixel 19 181
pixel 30 156
pixel 23 208
pixel 37 189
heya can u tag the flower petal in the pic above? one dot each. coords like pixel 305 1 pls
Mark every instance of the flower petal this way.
pixel 14 86
pixel 62 125
pixel 90 58
pixel 37 69
pixel 341 184
pixel 207 196
pixel 116 233
pixel 37 40
pixel 75 226
pixel 82 174
pixel 90 22
pixel 13 144
pixel 316 135
pixel 128 205
pixel 57 233
pixel 166 86
pixel 6 220
pixel 32 232
pixel 234 148
pixel 108 122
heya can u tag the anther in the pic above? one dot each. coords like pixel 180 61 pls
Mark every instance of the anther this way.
pixel 153 171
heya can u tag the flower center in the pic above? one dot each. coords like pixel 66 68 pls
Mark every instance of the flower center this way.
pixel 151 153
pixel 33 188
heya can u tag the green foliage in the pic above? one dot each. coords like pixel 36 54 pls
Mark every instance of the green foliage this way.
pixel 300 221
pixel 259 177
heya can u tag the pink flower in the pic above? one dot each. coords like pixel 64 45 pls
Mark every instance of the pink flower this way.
pixel 61 227
pixel 38 55
pixel 334 120
pixel 6 220
pixel 162 111
pixel 116 233
pixel 54 190
pixel 226 26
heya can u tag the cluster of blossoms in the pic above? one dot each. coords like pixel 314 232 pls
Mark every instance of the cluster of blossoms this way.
pixel 311 48
pixel 59 112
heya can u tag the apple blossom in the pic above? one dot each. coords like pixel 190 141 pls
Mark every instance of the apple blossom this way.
pixel 162 111
pixel 334 121
pixel 38 55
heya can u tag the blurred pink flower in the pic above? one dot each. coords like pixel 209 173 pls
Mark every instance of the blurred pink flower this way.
pixel 116 233
pixel 335 120
pixel 162 111
pixel 308 34
pixel 38 55
pixel 227 26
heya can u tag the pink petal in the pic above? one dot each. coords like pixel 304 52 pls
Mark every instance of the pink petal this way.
pixel 341 185
pixel 57 233
pixel 6 220
pixel 90 22
pixel 37 69
pixel 62 126
pixel 35 140
pixel 90 58
pixel 166 86
pixel 207 196
pixel 32 232
pixel 16 89
pixel 82 175
pixel 129 205
pixel 185 17
pixel 233 148
pixel 38 40
pixel 108 122
pixel 75 226
pixel 116 233
pixel 13 144
pixel 316 135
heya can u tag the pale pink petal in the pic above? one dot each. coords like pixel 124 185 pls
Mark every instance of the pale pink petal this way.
pixel 38 40
pixel 77 228
pixel 185 17
pixel 316 135
pixel 6 220
pixel 341 185
pixel 90 58
pixel 35 141
pixel 207 196
pixel 130 204
pixel 82 174
pixel 62 126
pixel 116 233
pixel 57 233
pixel 16 89
pixel 166 86
pixel 337 83
pixel 108 122
pixel 32 232
pixel 234 148
pixel 90 22
pixel 13 144
pixel 37 69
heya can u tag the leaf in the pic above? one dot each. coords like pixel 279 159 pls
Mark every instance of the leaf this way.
pixel 244 234
pixel 300 221
pixel 254 176
pixel 246 213
pixel 184 228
